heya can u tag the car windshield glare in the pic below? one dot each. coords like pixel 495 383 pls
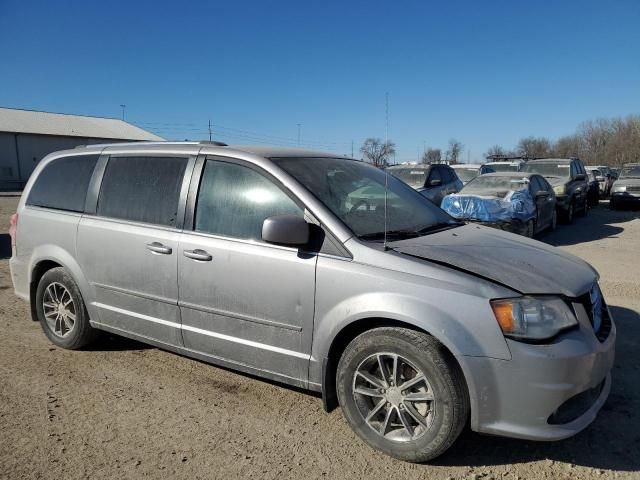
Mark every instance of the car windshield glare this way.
pixel 630 171
pixel 504 167
pixel 355 192
pixel 494 186
pixel 416 177
pixel 548 169
pixel 467 174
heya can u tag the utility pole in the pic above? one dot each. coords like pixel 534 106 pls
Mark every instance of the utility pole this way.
pixel 299 134
pixel 123 106
pixel 386 135
pixel 210 130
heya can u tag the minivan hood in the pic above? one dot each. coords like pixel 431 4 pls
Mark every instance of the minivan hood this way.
pixel 522 264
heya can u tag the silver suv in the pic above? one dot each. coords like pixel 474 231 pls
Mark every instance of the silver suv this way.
pixel 279 263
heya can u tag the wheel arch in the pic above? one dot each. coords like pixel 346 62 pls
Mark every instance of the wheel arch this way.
pixel 351 331
pixel 54 257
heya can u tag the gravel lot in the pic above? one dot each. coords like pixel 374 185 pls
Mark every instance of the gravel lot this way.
pixel 125 410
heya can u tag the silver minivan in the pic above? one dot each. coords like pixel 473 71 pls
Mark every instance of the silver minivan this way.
pixel 277 263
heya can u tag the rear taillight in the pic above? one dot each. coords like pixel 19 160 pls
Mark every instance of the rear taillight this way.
pixel 13 227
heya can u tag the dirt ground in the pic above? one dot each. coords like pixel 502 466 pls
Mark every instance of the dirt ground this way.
pixel 125 410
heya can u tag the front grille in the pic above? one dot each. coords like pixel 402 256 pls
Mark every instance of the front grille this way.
pixel 576 406
pixel 597 311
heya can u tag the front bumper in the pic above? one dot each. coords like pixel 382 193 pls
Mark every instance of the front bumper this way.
pixel 625 197
pixel 545 392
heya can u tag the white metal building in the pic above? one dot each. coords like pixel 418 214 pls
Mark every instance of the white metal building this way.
pixel 26 136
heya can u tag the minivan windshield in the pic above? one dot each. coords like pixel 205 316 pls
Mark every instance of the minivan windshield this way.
pixel 355 192
pixel 548 169
pixel 416 177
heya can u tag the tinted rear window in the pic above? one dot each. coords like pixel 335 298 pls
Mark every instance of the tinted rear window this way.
pixel 142 189
pixel 63 183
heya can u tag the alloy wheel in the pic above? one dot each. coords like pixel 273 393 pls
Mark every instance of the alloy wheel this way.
pixel 394 397
pixel 59 309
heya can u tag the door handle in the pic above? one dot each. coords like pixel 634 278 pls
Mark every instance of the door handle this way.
pixel 198 254
pixel 157 247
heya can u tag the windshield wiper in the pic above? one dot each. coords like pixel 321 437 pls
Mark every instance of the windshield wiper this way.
pixel 391 234
pixel 438 227
pixel 406 233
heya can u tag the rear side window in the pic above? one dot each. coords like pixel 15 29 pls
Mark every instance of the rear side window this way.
pixel 63 183
pixel 234 201
pixel 435 175
pixel 449 175
pixel 142 189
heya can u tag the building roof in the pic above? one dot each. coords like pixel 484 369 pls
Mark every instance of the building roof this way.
pixel 61 124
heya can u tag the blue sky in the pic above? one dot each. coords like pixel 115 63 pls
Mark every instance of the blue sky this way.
pixel 484 72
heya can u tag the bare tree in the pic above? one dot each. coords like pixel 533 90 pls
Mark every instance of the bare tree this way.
pixel 568 146
pixel 533 147
pixel 496 150
pixel 454 151
pixel 377 152
pixel 432 155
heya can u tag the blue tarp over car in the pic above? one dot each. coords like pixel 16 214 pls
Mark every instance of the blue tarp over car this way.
pixel 489 199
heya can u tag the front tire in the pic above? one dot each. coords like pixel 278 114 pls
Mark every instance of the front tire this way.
pixel 62 312
pixel 402 393
pixel 569 213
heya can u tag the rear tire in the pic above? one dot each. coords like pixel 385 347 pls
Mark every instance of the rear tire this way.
pixel 62 312
pixel 389 415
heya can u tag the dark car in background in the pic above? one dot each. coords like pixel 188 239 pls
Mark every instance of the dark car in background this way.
pixel 626 190
pixel 593 195
pixel 522 203
pixel 433 181
pixel 569 180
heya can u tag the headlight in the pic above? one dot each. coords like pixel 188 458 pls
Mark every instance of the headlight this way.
pixel 619 188
pixel 560 189
pixel 531 318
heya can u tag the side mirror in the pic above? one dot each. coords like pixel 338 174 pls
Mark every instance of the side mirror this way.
pixel 285 230
pixel 542 194
pixel 581 176
pixel 435 182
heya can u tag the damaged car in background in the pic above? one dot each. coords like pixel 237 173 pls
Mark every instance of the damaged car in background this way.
pixel 522 203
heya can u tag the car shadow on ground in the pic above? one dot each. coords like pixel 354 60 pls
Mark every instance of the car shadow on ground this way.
pixel 601 222
pixel 5 246
pixel 612 442
pixel 114 343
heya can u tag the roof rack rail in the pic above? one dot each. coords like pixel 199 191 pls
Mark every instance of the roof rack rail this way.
pixel 154 142
pixel 508 157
